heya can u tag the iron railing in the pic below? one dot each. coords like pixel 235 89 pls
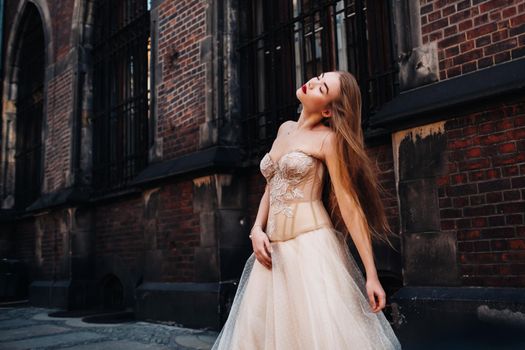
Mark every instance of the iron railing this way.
pixel 284 43
pixel 121 91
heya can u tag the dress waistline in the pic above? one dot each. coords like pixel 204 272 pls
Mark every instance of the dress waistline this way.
pixel 306 216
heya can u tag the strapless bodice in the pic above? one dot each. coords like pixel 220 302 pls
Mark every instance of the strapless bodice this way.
pixel 295 181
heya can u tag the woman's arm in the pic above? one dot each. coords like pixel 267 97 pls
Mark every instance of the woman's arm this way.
pixel 264 207
pixel 260 240
pixel 349 210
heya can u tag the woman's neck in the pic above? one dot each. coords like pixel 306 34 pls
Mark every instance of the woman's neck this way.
pixel 308 121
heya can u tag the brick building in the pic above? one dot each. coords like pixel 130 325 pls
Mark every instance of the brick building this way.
pixel 132 132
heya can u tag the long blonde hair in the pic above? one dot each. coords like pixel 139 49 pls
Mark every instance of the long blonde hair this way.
pixel 357 172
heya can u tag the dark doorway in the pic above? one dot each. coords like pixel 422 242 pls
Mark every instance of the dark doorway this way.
pixel 112 292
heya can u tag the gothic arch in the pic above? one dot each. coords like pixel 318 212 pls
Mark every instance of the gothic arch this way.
pixel 10 90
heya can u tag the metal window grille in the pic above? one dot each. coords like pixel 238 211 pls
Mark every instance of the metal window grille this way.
pixel 121 92
pixel 284 43
pixel 29 110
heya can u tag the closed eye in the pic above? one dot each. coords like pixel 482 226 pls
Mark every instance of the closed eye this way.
pixel 324 84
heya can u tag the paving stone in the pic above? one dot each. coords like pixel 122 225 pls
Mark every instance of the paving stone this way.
pixel 50 340
pixel 207 338
pixel 192 341
pixel 15 323
pixel 32 328
pixel 117 345
pixel 32 331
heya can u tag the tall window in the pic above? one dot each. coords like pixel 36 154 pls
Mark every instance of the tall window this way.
pixel 29 109
pixel 121 91
pixel 286 42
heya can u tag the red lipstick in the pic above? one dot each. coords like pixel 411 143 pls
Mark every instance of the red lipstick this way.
pixel 304 88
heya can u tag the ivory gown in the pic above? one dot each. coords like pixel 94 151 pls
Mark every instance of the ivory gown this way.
pixel 314 296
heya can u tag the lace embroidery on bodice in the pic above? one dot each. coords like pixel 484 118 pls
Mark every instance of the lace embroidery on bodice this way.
pixel 288 177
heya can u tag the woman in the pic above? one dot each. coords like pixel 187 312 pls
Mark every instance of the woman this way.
pixel 301 288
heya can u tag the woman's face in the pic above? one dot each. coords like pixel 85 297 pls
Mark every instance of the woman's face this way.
pixel 318 92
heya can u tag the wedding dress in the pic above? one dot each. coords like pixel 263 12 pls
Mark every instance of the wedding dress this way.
pixel 314 296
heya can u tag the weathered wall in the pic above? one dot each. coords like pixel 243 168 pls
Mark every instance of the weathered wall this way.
pixel 482 196
pixel 473 34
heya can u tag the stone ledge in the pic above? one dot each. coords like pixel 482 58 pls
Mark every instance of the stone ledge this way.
pixel 481 294
pixel 49 293
pixel 475 317
pixel 219 157
pixel 67 196
pixel 502 79
pixel 433 304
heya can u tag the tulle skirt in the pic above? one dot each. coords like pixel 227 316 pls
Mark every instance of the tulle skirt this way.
pixel 313 297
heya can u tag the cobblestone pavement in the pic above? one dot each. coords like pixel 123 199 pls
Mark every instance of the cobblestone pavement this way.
pixel 30 327
pixel 27 327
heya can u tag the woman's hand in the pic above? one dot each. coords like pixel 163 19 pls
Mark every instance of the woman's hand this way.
pixel 376 294
pixel 261 247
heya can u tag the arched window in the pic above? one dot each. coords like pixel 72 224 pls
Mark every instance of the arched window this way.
pixel 284 43
pixel 29 108
pixel 121 88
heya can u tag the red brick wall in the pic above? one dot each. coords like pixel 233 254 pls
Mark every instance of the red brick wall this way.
pixel 473 34
pixel 181 109
pixel 42 244
pixel 181 101
pixel 62 14
pixel 179 232
pixel 54 246
pixel 384 157
pixel 120 230
pixel 56 160
pixel 58 141
pixel 482 196
pixel 24 241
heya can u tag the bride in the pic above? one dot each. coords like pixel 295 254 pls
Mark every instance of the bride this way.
pixel 301 287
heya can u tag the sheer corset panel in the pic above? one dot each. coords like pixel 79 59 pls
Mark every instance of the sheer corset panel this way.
pixel 295 181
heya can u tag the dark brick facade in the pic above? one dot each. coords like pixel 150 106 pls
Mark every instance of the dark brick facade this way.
pixel 481 197
pixel 176 237
pixel 472 34
pixel 182 94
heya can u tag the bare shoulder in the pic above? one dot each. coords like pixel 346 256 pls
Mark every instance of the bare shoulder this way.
pixel 285 125
pixel 331 158
pixel 328 145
